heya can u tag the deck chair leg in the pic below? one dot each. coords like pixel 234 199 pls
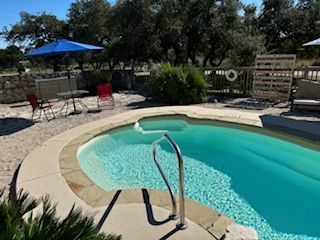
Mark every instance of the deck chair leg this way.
pixel 40 114
pixel 67 106
pixel 44 112
pixel 54 116
pixel 32 115
pixel 110 104
pixel 62 108
pixel 82 104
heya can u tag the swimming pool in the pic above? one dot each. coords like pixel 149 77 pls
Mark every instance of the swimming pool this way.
pixel 258 180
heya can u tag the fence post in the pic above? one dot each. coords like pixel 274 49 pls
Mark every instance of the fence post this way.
pixel 306 73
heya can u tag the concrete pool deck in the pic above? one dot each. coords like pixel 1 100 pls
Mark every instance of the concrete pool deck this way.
pixel 53 169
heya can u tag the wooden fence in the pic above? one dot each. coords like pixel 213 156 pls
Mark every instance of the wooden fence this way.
pixel 273 76
pixel 243 86
pixel 218 82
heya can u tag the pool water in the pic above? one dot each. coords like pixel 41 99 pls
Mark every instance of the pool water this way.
pixel 259 181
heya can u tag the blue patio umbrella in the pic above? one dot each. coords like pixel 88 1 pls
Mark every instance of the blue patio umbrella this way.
pixel 312 43
pixel 60 47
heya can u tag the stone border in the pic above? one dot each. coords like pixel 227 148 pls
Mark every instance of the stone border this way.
pixel 69 142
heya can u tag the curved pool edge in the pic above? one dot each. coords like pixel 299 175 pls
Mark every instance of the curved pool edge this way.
pixel 68 184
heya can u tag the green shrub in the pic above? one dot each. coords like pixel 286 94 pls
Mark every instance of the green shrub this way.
pixel 177 85
pixel 14 224
pixel 99 77
pixel 95 77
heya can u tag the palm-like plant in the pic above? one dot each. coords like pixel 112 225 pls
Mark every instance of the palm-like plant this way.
pixel 45 225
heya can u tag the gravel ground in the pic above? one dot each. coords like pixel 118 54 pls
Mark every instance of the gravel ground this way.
pixel 18 136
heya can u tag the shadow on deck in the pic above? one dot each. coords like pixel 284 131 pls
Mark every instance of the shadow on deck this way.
pixel 304 128
pixel 11 125
pixel 149 212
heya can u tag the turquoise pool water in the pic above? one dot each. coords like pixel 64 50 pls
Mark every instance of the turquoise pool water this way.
pixel 257 180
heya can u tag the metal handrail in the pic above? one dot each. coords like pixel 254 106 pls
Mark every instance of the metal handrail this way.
pixel 173 214
pixel 182 224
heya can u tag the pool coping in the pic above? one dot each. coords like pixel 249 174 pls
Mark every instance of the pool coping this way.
pixel 62 150
pixel 209 219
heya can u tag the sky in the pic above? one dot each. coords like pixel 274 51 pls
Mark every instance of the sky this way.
pixel 10 10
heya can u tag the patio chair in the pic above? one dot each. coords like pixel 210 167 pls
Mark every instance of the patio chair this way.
pixel 104 92
pixel 40 106
pixel 306 96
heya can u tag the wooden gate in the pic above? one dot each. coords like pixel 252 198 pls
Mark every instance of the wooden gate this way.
pixel 273 76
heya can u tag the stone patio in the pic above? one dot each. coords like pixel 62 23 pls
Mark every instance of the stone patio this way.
pixel 19 137
pixel 68 184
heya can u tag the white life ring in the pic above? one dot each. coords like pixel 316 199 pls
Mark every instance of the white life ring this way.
pixel 231 75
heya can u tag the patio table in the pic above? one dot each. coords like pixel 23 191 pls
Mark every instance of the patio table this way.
pixel 75 96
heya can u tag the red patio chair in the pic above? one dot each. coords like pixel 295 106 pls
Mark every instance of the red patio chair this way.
pixel 104 92
pixel 39 106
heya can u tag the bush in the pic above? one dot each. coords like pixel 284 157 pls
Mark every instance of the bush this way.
pixel 99 77
pixel 177 85
pixel 95 77
pixel 14 224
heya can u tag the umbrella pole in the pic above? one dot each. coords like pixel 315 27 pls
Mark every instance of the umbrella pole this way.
pixel 69 81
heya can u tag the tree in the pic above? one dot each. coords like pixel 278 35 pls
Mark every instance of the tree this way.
pixel 200 32
pixel 247 40
pixel 33 31
pixel 287 24
pixel 309 10
pixel 89 23
pixel 196 20
pixel 169 26
pixel 132 37
pixel 223 23
pixel 307 25
pixel 274 22
pixel 195 30
pixel 10 57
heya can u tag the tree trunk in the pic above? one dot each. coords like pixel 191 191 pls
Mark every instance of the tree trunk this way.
pixel 55 66
pixel 80 63
pixel 167 56
pixel 124 65
pixel 111 66
pixel 192 56
pixel 205 60
pixel 132 77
